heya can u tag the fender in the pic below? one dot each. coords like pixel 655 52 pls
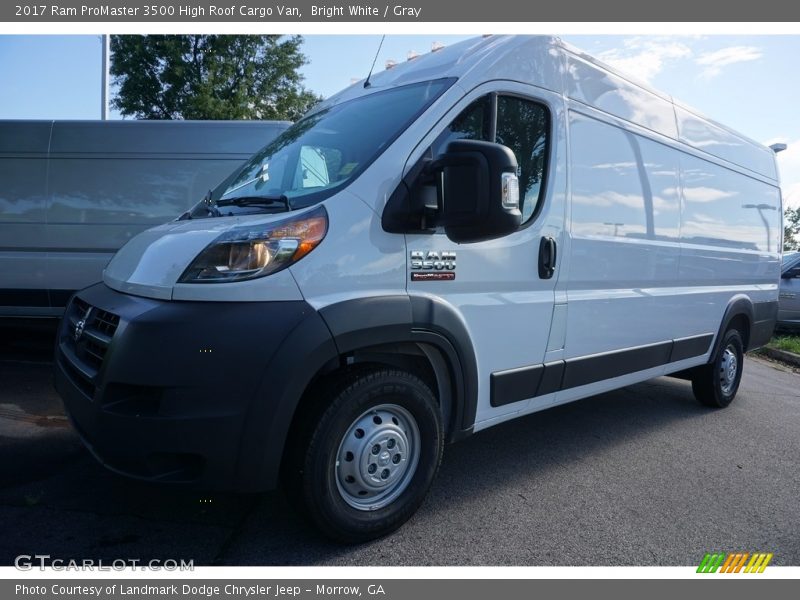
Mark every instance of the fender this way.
pixel 762 317
pixel 739 305
pixel 303 353
pixel 320 340
pixel 365 322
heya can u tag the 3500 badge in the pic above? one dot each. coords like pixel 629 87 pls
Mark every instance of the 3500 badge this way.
pixel 433 266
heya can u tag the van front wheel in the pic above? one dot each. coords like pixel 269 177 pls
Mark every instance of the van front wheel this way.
pixel 372 455
pixel 716 383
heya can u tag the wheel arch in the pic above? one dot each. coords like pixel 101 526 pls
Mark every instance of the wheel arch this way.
pixel 739 312
pixel 397 331
pixel 388 329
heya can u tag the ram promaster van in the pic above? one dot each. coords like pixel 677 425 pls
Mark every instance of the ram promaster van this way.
pixel 484 232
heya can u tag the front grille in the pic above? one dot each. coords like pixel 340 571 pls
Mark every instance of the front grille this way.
pixel 106 322
pixel 85 340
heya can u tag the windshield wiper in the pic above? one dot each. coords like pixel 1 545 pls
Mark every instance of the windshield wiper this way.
pixel 208 204
pixel 266 201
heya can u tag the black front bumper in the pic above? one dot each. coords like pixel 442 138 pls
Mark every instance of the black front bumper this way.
pixel 192 392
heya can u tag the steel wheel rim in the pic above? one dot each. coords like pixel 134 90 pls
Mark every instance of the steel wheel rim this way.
pixel 728 369
pixel 377 457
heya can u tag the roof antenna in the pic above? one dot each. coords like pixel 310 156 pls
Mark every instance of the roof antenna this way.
pixel 374 60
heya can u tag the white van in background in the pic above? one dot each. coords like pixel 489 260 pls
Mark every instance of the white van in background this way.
pixel 73 192
pixel 500 227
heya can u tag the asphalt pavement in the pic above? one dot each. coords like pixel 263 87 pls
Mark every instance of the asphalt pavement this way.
pixel 639 476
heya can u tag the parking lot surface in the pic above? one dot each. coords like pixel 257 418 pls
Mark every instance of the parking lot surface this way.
pixel 639 476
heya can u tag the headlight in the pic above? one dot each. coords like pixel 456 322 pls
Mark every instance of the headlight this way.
pixel 250 252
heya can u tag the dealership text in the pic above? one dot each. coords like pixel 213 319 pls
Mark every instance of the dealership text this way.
pixel 27 562
pixel 206 591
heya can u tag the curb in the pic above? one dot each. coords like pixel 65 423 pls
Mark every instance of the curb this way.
pixel 782 355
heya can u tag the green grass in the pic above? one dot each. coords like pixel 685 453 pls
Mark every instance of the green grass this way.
pixel 790 343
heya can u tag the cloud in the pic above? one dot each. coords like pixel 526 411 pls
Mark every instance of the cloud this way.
pixel 714 62
pixel 791 195
pixel 645 57
pixel 616 165
pixel 705 194
pixel 700 193
pixel 621 166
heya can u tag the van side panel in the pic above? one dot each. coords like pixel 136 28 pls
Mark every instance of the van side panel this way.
pixel 108 181
pixel 74 192
pixel 99 203
pixel 624 226
pixel 726 210
pixel 612 94
pixel 23 199
pixel 719 141
pixel 731 227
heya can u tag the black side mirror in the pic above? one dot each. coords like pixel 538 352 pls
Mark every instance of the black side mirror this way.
pixel 471 190
pixel 479 191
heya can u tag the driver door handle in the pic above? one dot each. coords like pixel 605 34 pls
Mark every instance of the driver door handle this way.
pixel 547 257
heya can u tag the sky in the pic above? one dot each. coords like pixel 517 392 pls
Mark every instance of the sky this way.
pixel 749 83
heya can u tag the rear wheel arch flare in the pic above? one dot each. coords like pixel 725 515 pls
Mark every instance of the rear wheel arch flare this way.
pixel 739 314
pixel 741 322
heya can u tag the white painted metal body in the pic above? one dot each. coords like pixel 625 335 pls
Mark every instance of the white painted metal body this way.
pixel 655 211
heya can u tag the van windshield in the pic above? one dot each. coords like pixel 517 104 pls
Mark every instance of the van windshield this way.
pixel 321 153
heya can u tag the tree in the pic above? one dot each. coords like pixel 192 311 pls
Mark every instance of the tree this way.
pixel 791 228
pixel 209 77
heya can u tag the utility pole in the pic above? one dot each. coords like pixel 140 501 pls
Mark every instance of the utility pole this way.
pixel 104 40
pixel 761 208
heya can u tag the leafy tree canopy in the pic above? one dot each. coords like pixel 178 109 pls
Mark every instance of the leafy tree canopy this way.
pixel 209 77
pixel 791 229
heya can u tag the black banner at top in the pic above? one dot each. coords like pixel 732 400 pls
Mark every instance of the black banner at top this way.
pixel 409 11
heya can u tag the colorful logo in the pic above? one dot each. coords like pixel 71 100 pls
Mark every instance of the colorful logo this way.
pixel 734 562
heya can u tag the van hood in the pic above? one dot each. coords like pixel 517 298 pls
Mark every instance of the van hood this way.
pixel 151 263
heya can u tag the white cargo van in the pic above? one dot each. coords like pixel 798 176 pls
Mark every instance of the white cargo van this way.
pixel 484 232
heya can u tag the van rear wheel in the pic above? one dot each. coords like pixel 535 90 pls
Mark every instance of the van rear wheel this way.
pixel 368 461
pixel 716 383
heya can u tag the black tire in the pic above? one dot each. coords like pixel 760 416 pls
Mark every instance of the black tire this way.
pixel 713 384
pixel 383 404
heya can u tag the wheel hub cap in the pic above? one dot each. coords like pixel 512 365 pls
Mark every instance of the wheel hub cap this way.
pixel 728 369
pixel 377 457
